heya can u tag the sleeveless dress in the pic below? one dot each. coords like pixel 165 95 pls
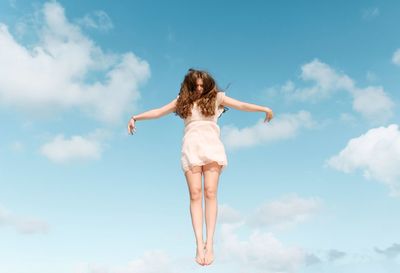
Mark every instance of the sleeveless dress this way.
pixel 201 143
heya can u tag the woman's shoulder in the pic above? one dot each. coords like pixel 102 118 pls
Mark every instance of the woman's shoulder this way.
pixel 220 97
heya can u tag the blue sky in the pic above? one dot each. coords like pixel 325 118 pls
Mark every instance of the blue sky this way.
pixel 315 190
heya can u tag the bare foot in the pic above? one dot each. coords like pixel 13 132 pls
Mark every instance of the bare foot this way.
pixel 209 254
pixel 200 254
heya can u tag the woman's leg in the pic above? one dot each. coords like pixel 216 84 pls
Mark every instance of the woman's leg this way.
pixel 193 179
pixel 211 176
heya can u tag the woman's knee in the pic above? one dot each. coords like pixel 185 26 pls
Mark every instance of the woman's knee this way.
pixel 195 194
pixel 210 193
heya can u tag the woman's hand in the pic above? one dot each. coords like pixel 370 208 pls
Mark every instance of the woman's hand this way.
pixel 131 126
pixel 269 115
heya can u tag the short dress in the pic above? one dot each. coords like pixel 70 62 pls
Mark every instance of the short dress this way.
pixel 201 143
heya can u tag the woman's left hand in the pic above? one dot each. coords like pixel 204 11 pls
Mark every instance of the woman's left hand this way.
pixel 131 126
pixel 269 115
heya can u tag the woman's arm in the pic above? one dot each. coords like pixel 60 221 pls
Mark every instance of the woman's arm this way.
pixel 248 107
pixel 152 114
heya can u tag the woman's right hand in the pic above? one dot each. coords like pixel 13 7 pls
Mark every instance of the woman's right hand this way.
pixel 131 126
pixel 269 115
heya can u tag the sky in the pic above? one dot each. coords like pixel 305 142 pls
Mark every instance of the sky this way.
pixel 315 190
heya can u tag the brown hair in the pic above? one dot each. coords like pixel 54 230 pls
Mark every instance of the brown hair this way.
pixel 187 94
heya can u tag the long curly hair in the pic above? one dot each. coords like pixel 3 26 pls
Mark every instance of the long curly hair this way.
pixel 188 94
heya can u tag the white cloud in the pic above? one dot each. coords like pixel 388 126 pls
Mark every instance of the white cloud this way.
pixel 61 150
pixel 228 215
pixel 54 73
pixel 282 127
pixel 261 252
pixel 376 153
pixel 152 262
pixel 97 20
pixel 396 57
pixel 286 211
pixel 371 102
pixel 326 80
pixel 24 225
pixel 371 13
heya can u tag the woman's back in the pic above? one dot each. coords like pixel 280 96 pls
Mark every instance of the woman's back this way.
pixel 198 116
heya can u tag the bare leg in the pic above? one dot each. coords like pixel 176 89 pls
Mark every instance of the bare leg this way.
pixel 211 176
pixel 193 179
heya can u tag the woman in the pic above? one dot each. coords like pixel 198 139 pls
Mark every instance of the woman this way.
pixel 199 104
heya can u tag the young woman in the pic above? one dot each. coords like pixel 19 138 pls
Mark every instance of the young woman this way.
pixel 199 104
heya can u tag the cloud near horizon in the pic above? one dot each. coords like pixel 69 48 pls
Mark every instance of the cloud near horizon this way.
pixel 284 212
pixel 261 251
pixel 22 224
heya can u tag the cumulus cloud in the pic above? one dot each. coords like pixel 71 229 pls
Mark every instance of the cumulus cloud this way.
pixel 228 215
pixel 151 262
pixel 371 102
pixel 261 252
pixel 391 252
pixel 283 127
pixel 66 69
pixel 62 150
pixel 24 225
pixel 326 80
pixel 396 57
pixel 286 211
pixel 97 20
pixel 376 153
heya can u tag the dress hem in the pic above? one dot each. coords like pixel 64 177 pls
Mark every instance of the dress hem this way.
pixel 223 165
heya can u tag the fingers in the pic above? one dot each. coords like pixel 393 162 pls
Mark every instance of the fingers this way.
pixel 131 128
pixel 269 115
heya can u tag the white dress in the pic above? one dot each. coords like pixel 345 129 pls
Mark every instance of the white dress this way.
pixel 201 142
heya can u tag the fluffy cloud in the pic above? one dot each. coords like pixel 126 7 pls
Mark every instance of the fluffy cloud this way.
pixel 390 252
pixel 283 127
pixel 97 20
pixel 284 212
pixel 62 150
pixel 325 78
pixel 261 252
pixel 376 153
pixel 228 215
pixel 396 57
pixel 24 225
pixel 151 262
pixel 54 74
pixel 371 102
